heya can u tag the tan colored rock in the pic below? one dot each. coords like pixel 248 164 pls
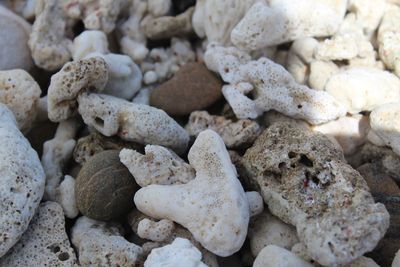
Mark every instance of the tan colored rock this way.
pixel 276 256
pixel 234 134
pixel 74 78
pixel 306 182
pixel 20 92
pixel 168 26
pixel 48 42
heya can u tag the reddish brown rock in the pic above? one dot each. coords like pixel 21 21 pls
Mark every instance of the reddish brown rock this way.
pixel 386 191
pixel 192 88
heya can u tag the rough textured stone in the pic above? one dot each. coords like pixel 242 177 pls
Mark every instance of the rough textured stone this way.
pixel 305 182
pixel 104 187
pixel 45 243
pixel 22 181
pixel 192 88
pixel 386 191
pixel 272 256
pixel 94 143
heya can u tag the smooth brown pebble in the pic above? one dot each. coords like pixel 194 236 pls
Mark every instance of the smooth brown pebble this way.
pixel 104 188
pixel 192 88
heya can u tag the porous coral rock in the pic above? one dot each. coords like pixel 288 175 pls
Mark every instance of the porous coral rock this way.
pixel 180 253
pixel 45 242
pixel 274 22
pixel 234 133
pixel 213 206
pixel 94 143
pixel 385 125
pixel 48 42
pixel 101 244
pixel 320 73
pixel 74 78
pixel 306 182
pixel 56 153
pixel 20 92
pixel 132 122
pixel 272 86
pixel 158 165
pixel 155 231
pixel 22 181
pixel 363 89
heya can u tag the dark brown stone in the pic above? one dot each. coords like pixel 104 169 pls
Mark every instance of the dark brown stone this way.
pixel 104 188
pixel 386 191
pixel 192 88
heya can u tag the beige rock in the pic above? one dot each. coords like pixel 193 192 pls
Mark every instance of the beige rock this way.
pixel 300 55
pixel 168 26
pixel 20 92
pixel 363 89
pixel 132 122
pixel 14 38
pixel 306 182
pixel 101 244
pixel 48 43
pixel 74 78
pixel 385 124
pixel 234 134
pixel 265 229
pixel 396 261
pixel 45 242
pixel 213 206
pixel 256 203
pixel 159 165
pixel 155 231
pixel 273 255
pixel 368 13
pixel 22 181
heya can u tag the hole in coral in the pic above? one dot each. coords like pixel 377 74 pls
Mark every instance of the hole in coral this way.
pixel 63 256
pixel 305 161
pixel 291 154
pixel 54 248
pixel 282 165
pixel 99 121
pixel 299 106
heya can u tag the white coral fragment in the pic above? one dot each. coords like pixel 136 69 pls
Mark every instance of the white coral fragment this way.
pixel 159 165
pixel 213 206
pixel 180 253
pixel 132 122
pixel 363 89
pixel 74 78
pixel 272 256
pixel 89 42
pixel 280 21
pixel 155 231
pixel 274 88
